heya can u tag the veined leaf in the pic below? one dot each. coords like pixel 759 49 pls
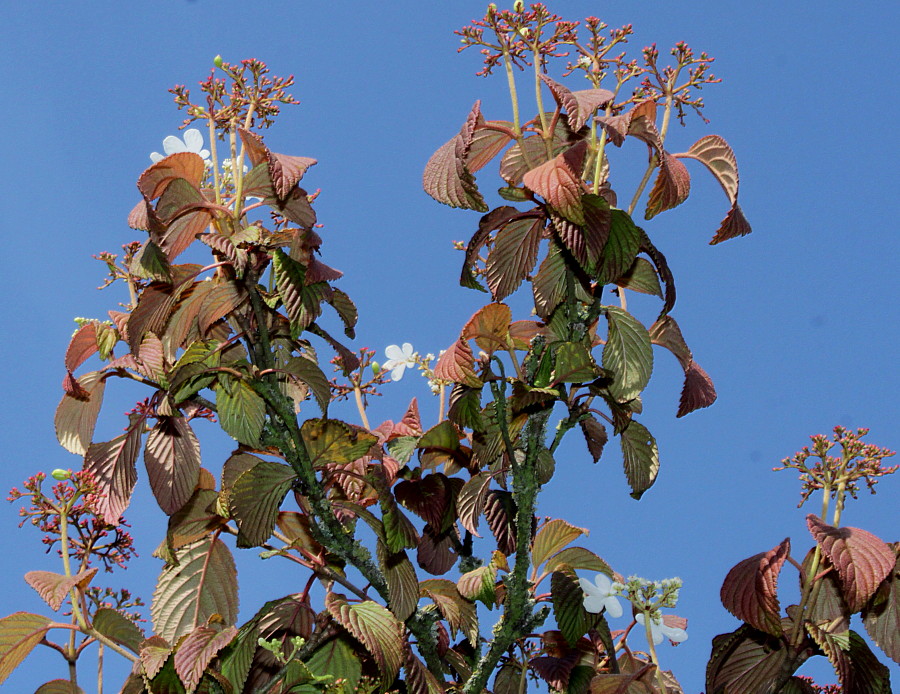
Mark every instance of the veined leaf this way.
pixel 641 278
pixel 558 181
pixel 255 499
pixel 747 660
pixel 487 143
pixel 375 628
pixel 184 165
pixel 403 585
pixel 514 255
pixel 19 633
pixel 673 183
pixel 621 247
pixel 578 105
pixel 242 413
pixel 627 354
pixel 882 615
pixel 552 537
pixel 82 345
pixel 595 435
pixel 54 588
pixel 334 441
pixel 573 364
pixel 493 220
pixel 221 300
pixel 116 626
pixel 308 371
pixel 155 653
pixel 172 456
pixel 479 584
pixel 578 558
pixel 196 652
pixel 112 464
pixel 76 417
pixel 447 177
pixel 202 584
pixel 457 364
pixel 568 606
pixel 489 327
pixel 338 659
pixel 698 390
pixel 640 456
pixel 459 612
pixel 151 263
pixel 750 590
pixel 549 284
pixel 472 498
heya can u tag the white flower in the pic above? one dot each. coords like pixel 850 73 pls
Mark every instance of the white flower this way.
pixel 585 61
pixel 398 359
pixel 599 595
pixel 659 630
pixel 193 142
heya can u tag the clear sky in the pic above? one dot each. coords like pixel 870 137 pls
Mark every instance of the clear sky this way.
pixel 796 324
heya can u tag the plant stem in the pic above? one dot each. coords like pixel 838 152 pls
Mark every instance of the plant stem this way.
pixel 357 394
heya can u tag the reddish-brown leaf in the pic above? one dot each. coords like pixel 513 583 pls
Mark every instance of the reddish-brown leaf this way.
pixel 154 654
pixel 734 224
pixel 472 498
pixel 172 457
pixel 750 590
pixel 715 153
pixel 53 588
pixel 487 144
pixel 458 365
pixel 374 627
pixel 513 255
pixel 447 178
pixel 666 333
pixel 434 553
pixel 882 615
pixel 595 435
pixel 577 105
pixel 196 652
pixel 219 302
pixel 698 391
pixel 489 327
pixel 500 514
pixel 429 497
pixel 76 415
pixel 549 284
pixel 642 124
pixel 558 181
pixel 113 466
pixel 862 560
pixel 488 223
pixel 673 183
pixel 183 165
pixel 82 345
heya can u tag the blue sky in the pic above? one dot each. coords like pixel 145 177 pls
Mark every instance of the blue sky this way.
pixel 796 324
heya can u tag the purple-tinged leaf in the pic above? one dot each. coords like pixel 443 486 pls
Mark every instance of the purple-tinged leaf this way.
pixel 447 177
pixel 640 456
pixel 862 560
pixel 642 124
pixel 156 303
pixel 225 247
pixel 457 364
pixel 493 220
pixel 419 679
pixel 627 354
pixel 19 633
pixel 151 263
pixel 616 127
pixel 571 237
pixel 203 583
pixel 284 171
pixel 471 501
pixel 196 652
pixel 552 537
pixel 748 660
pixel 116 626
pixel 594 435
pixel 155 652
pixel 479 585
pixel 113 466
pixel 882 615
pixel 698 390
pixel 549 284
pixel 308 371
pixel 578 105
pixel 826 605
pixel 459 612
pixel 430 497
pixel 435 551
pixel 82 345
pixel 221 300
pixel 375 628
pixel 172 457
pixel 513 255
pixel 666 333
pixel 857 668
pixel 76 417
pixel 411 423
pixel 403 585
pixel 508 679
pixel 734 225
pixel 750 590
pixel 54 588
pixel 187 166
pixel 597 222
pixel 558 181
pixel 715 153
pixel 672 186
pixel 487 143
pixel 500 515
pixel 568 606
pixel 343 304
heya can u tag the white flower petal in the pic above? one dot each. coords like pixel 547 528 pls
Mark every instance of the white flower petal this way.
pixel 613 607
pixel 173 145
pixel 397 372
pixel 407 350
pixel 603 582
pixel 673 633
pixel 193 140
pixel 155 157
pixel 393 352
pixel 594 603
pixel 204 153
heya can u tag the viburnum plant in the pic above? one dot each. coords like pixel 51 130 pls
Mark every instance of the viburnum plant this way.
pixel 383 524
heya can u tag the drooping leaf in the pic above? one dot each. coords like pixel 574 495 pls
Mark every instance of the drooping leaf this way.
pixel 748 660
pixel 641 278
pixel 185 165
pixel 447 177
pixel 558 181
pixel 459 612
pixel 595 435
pixel 750 590
pixel 735 224
pixel 862 560
pixel 479 585
pixel 308 371
pixel 19 633
pixel 374 627
pixel 859 671
pixel 577 105
pixel 172 456
pixel 640 456
pixel 552 537
pixel 698 390
pixel 490 222
pixel 76 417
pixel 487 143
pixel 472 498
pixel 54 588
pixel 568 606
pixel 489 327
pixel 627 354
pixel 346 309
pixel 621 247
pixel 221 300
pixel 513 255
pixel 112 464
pixel 457 364
pixel 435 552
pixel 255 499
pixel 151 263
pixel 419 679
pixel 155 652
pixel 196 652
pixel 430 497
pixel 549 284
pixel 500 514
pixel 202 584
pixel 403 585
pixel 242 413
pixel 82 345
pixel 673 183
pixel 882 615
pixel 334 441
pixel 116 626
pixel 666 333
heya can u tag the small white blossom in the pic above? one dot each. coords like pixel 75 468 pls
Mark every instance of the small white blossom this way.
pixel 398 360
pixel 659 630
pixel 600 595
pixel 192 142
pixel 585 61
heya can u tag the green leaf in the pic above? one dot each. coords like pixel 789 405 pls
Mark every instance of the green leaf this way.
pixel 641 277
pixel 242 413
pixel 640 456
pixel 578 558
pixel 255 499
pixel 401 448
pixel 621 247
pixel 375 628
pixel 202 584
pixel 59 687
pixel 19 633
pixel 338 659
pixel 334 441
pixel 116 626
pixel 568 606
pixel 627 354
pixel 574 364
pixel 479 584
pixel 513 194
pixel 549 284
pixel 552 537
pixel 150 263
pixel 459 612
pixel 193 521
pixel 403 586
